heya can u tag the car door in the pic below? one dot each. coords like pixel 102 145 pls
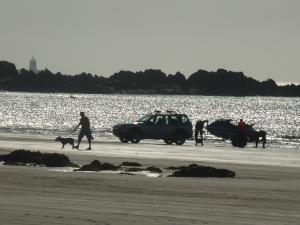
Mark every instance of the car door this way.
pixel 148 128
pixel 173 124
pixel 186 125
pixel 161 127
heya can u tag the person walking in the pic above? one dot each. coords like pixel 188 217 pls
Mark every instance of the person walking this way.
pixel 199 130
pixel 84 131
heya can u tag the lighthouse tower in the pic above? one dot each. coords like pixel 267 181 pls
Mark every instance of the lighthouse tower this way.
pixel 32 65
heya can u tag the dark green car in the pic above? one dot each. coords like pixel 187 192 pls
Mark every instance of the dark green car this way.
pixel 169 126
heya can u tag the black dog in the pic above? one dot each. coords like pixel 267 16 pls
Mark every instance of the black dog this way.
pixel 65 141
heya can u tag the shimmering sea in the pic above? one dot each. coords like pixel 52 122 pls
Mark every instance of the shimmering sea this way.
pixel 58 114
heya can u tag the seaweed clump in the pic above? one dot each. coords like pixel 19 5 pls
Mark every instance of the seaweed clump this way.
pixel 194 170
pixel 96 165
pixel 24 157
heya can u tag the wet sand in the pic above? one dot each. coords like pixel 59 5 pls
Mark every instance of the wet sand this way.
pixel 266 189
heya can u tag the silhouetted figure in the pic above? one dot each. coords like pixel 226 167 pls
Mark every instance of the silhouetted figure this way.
pixel 84 131
pixel 242 127
pixel 263 135
pixel 199 130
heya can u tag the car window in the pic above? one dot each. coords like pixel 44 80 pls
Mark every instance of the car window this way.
pixel 160 120
pixel 172 120
pixel 151 120
pixel 184 120
pixel 144 118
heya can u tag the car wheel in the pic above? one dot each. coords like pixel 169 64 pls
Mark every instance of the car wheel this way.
pixel 179 138
pixel 123 139
pixel 168 141
pixel 135 137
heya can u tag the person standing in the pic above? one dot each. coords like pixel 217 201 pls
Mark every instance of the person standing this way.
pixel 84 131
pixel 242 127
pixel 199 130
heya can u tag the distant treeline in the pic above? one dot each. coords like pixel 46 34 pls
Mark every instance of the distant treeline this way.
pixel 221 82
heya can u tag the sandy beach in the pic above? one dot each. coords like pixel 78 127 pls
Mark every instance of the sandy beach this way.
pixel 266 189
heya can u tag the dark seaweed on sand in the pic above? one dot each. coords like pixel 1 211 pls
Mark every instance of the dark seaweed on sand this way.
pixel 96 165
pixel 25 157
pixel 194 170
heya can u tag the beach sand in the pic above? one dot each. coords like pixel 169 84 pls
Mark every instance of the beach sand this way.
pixel 266 189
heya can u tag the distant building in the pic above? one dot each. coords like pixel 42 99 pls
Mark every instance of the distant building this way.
pixel 32 65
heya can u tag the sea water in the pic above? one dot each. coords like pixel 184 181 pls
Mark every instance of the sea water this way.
pixel 57 114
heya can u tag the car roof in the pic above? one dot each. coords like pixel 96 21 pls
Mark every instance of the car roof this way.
pixel 167 113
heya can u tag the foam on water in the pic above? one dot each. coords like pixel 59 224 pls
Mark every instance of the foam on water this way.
pixel 71 169
pixel 58 114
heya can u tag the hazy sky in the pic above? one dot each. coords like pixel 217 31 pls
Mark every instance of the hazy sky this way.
pixel 259 37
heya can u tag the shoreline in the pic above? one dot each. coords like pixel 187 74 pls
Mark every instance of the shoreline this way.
pixel 272 143
pixel 211 152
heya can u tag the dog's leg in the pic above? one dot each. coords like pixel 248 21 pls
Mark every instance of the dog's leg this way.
pixel 63 146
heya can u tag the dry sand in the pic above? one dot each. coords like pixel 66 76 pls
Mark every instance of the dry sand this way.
pixel 265 191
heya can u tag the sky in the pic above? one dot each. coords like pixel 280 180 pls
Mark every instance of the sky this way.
pixel 258 37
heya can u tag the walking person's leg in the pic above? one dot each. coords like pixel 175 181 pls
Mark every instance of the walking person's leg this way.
pixel 89 138
pixel 80 136
pixel 196 137
pixel 90 142
pixel 201 137
pixel 264 140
